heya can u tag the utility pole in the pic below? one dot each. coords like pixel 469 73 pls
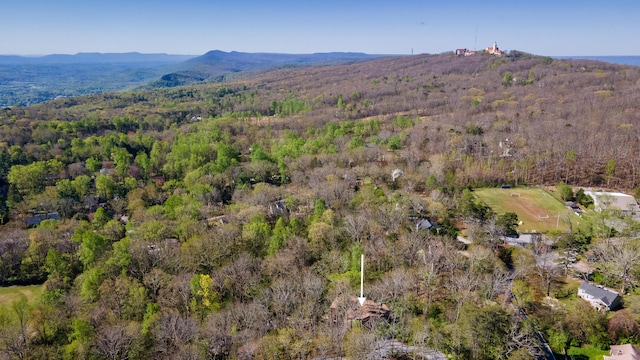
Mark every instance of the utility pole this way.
pixel 361 299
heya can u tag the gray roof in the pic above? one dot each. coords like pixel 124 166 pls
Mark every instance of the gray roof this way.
pixel 423 224
pixel 37 219
pixel 608 297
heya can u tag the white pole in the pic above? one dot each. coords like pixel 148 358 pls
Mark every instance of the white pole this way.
pixel 361 275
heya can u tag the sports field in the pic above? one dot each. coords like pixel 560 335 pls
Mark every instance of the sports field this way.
pixel 536 208
pixel 13 293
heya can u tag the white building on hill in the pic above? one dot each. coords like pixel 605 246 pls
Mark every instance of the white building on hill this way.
pixel 494 50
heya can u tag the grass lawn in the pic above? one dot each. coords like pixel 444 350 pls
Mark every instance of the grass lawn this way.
pixel 584 353
pixel 536 208
pixel 13 293
pixel 567 293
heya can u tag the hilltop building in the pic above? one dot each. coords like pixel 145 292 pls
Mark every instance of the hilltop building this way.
pixel 494 50
pixel 464 52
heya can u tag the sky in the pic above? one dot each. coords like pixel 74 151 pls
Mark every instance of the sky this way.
pixel 193 27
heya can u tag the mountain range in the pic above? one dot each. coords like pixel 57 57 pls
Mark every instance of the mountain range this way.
pixel 27 80
pixel 31 80
pixel 93 58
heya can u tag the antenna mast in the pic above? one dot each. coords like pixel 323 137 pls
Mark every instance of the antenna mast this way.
pixel 475 44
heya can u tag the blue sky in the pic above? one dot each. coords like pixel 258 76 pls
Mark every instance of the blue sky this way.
pixel 560 27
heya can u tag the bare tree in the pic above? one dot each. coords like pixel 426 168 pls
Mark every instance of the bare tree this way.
pixel 238 277
pixel 154 281
pixel 177 294
pixel 546 264
pixel 173 332
pixel 462 287
pixel 436 258
pixel 356 226
pixel 13 245
pixel 617 258
pixel 114 342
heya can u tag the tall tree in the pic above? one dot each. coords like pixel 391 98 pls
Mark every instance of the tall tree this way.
pixel 618 260
pixel 485 330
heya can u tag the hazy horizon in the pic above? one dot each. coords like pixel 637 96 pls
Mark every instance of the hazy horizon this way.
pixel 586 28
pixel 273 52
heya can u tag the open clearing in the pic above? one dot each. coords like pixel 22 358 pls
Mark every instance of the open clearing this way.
pixel 12 293
pixel 536 208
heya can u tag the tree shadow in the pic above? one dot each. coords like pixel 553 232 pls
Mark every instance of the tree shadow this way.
pixel 578 357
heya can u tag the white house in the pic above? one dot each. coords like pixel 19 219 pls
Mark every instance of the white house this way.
pixel 614 201
pixel 600 298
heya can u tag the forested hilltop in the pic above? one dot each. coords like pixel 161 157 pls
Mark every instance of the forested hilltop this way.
pixel 227 220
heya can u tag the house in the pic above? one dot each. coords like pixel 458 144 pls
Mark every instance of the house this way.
pixel 574 207
pixel 346 309
pixel 599 297
pixel 464 52
pixel 218 220
pixel 107 168
pixel 623 352
pixel 423 224
pixel 395 174
pixel 615 201
pixel 37 219
pixel 278 208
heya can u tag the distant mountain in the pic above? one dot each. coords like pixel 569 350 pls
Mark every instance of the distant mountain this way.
pixel 30 80
pixel 27 80
pixel 94 58
pixel 216 65
pixel 622 60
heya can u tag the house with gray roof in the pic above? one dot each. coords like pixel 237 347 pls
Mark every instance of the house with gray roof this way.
pixel 33 221
pixel 600 297
pixel 615 201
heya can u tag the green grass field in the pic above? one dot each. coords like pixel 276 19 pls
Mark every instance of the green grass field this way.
pixel 536 208
pixel 13 293
pixel 585 353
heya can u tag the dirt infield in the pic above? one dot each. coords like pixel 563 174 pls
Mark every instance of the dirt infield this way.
pixel 536 208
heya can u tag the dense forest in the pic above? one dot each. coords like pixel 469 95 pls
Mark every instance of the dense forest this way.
pixel 227 220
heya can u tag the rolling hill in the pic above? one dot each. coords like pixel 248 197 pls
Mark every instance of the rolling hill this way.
pixel 31 80
pixel 216 66
pixel 228 219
